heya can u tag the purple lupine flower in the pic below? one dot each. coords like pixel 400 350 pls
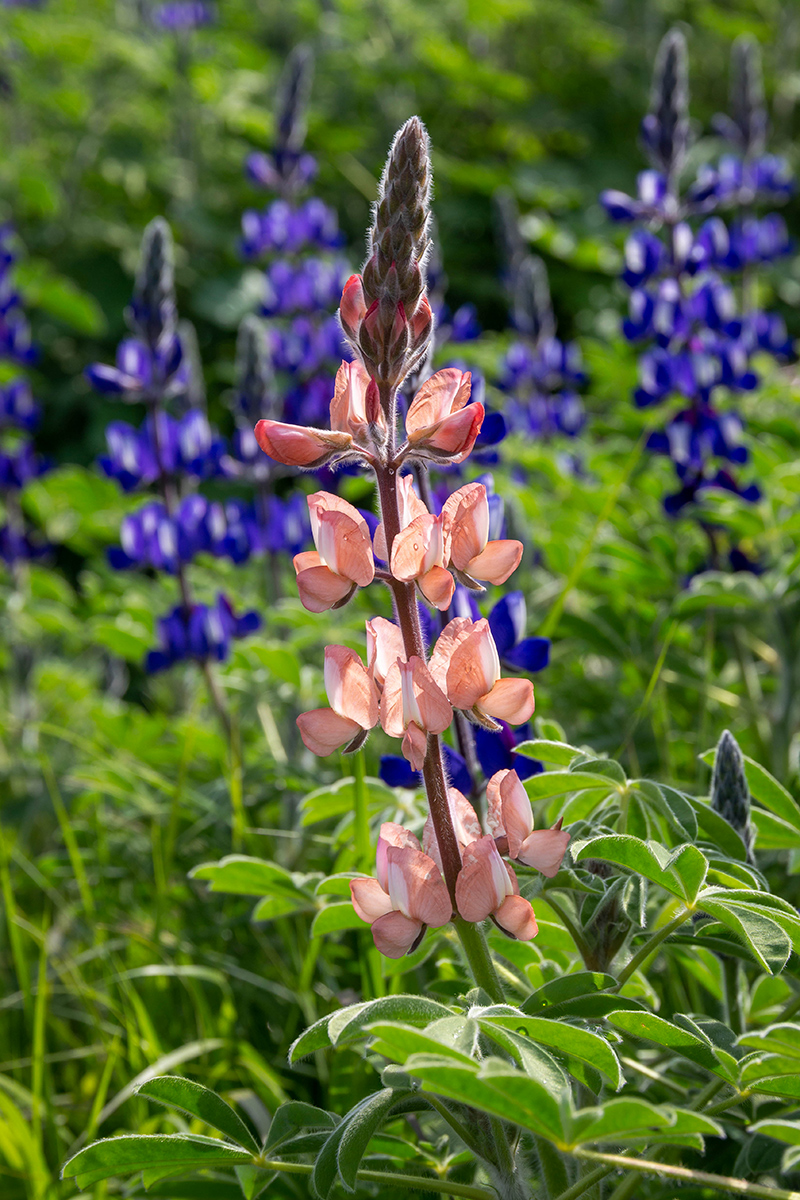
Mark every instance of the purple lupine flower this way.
pixel 681 265
pixel 182 16
pixel 203 632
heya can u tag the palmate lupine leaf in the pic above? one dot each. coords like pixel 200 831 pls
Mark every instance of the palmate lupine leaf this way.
pixel 341 1155
pixel 130 1153
pixel 680 872
pixel 348 1024
pixel 198 1101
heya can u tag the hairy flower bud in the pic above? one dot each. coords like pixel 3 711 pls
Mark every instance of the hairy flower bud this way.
pixel 291 101
pixel 747 124
pixel 730 795
pixel 393 333
pixel 153 310
pixel 255 395
pixel 665 130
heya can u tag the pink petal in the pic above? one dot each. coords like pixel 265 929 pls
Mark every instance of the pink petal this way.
pixel 410 547
pixel 416 887
pixel 351 692
pixel 432 704
pixel 410 507
pixel 516 916
pixel 466 825
pixel 345 545
pixel 467 514
pixel 348 411
pixel 511 809
pixel 352 308
pixel 320 502
pixel 394 934
pixel 474 667
pixel 305 560
pixel 324 731
pixel 510 700
pixel 391 834
pixel 369 899
pixel 544 849
pixel 415 746
pixel 437 586
pixel 453 634
pixel 496 562
pixel 444 393
pixel 454 436
pixel 384 647
pixel 391 707
pixel 483 882
pixel 299 445
pixel 320 589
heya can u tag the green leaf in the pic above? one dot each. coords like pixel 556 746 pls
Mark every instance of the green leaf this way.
pixel 764 937
pixel 550 752
pixel 783 1038
pixel 347 1025
pixel 239 875
pixel 677 1040
pixel 136 1152
pixel 397 1041
pixel 341 1155
pixel 633 1119
pixel 566 987
pixel 365 1121
pixel 718 831
pixel 196 1100
pixel 293 1116
pixel 773 833
pixel 590 1048
pixel 782 1131
pixel 680 872
pixel 254 1181
pixel 338 800
pixel 494 1088
pixel 670 804
pixel 564 783
pixel 333 918
pixel 607 768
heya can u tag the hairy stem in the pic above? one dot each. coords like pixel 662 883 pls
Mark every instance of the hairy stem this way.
pixel 416 1183
pixel 652 944
pixel 720 1183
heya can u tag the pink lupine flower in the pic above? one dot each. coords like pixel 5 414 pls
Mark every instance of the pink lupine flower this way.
pixel 488 886
pixel 353 406
pixel 412 706
pixel 466 666
pixel 465 822
pixel 353 705
pixel 439 421
pixel 471 553
pixel 410 507
pixel 342 561
pixel 510 817
pixel 420 552
pixel 352 308
pixel 384 647
pixel 300 445
pixel 408 896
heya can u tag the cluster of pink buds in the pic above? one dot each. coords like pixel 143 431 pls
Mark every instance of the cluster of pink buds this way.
pixel 410 895
pixel 412 691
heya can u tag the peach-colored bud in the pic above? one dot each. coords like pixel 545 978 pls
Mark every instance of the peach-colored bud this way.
pixel 466 825
pixel 510 815
pixel 352 309
pixel 408 896
pixel 372 404
pixel 300 445
pixel 411 698
pixel 371 318
pixel 328 576
pixel 410 506
pixel 466 666
pixel 350 400
pixel 439 423
pixel 422 319
pixel 353 704
pixel 400 324
pixel 472 555
pixel 420 552
pixel 384 647
pixel 487 886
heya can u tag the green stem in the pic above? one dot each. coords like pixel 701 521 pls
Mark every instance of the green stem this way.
pixel 554 1170
pixel 476 951
pixel 733 1007
pixel 363 842
pixel 456 1125
pixel 651 945
pixel 570 926
pixel 720 1183
pixel 584 1183
pixel 417 1183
